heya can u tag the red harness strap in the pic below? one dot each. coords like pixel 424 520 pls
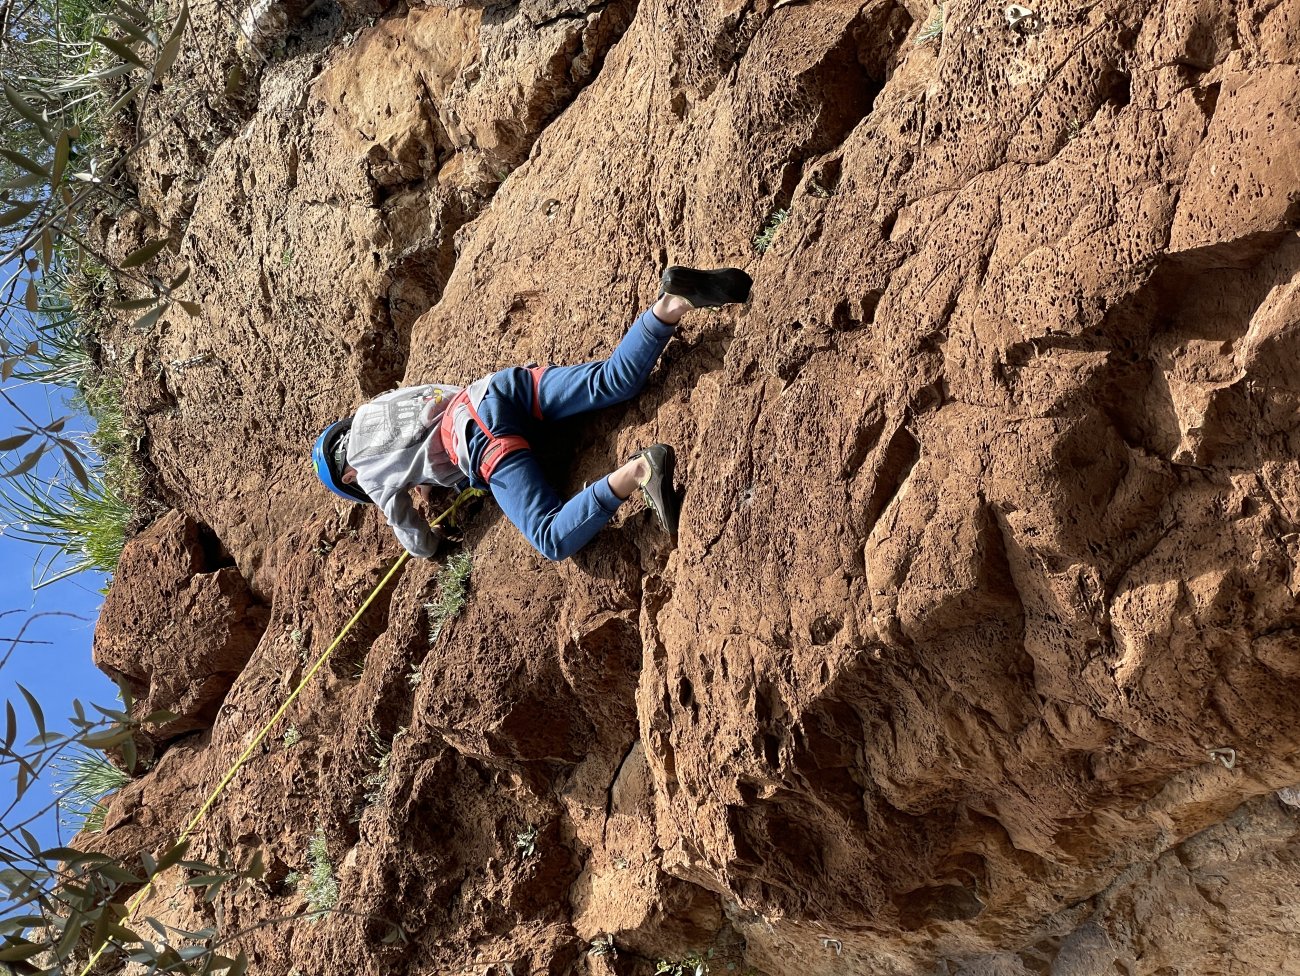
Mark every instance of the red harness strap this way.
pixel 499 448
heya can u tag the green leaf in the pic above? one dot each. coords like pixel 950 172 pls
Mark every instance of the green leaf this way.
pixel 173 855
pixel 99 936
pixel 20 949
pixel 124 696
pixel 26 776
pixel 121 50
pixel 25 162
pixel 106 739
pixel 129 27
pixel 128 753
pixel 35 707
pixel 26 182
pixel 159 716
pixel 26 464
pixel 119 874
pixel 112 714
pixel 18 440
pixel 62 149
pixel 142 254
pixel 17 212
pixel 240 966
pixel 26 922
pixel 93 858
pixel 203 880
pixel 172 46
pixel 60 854
pixel 150 865
pixel 76 922
pixel 124 101
pixel 149 319
pixel 123 934
pixel 75 466
pixel 136 14
pixel 11 726
pixel 25 108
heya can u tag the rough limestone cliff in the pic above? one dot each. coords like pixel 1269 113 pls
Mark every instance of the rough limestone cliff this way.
pixel 992 493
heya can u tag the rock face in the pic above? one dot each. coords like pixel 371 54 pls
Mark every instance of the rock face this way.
pixel 992 499
pixel 179 627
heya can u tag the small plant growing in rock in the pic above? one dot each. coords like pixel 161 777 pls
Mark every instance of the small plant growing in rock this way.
pixel 763 240
pixel 380 754
pixel 526 842
pixel 321 888
pixel 87 778
pixel 603 945
pixel 933 29
pixel 453 587
pixel 692 964
pixel 292 736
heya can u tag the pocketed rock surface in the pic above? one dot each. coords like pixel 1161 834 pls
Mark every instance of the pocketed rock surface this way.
pixel 991 512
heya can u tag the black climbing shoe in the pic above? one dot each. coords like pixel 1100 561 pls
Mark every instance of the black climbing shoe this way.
pixel 658 487
pixel 706 289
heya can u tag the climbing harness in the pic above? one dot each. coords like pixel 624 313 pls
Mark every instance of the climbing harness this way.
pixel 134 904
pixel 464 406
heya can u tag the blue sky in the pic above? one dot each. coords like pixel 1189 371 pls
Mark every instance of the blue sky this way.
pixel 62 615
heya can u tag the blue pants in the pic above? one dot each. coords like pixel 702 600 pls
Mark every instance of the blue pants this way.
pixel 559 529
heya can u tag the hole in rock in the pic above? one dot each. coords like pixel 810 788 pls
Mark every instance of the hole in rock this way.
pixel 1116 88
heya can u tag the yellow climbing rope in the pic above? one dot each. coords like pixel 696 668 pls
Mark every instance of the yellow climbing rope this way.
pixel 449 516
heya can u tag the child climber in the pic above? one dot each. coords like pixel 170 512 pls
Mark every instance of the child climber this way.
pixel 479 436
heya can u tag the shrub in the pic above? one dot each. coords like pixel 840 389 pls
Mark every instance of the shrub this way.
pixel 453 587
pixel 321 887
pixel 380 755
pixel 763 240
pixel 933 29
pixel 86 778
pixel 692 964
pixel 82 515
pixel 84 524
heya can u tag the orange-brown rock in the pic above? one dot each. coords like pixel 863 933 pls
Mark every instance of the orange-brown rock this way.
pixel 182 629
pixel 992 493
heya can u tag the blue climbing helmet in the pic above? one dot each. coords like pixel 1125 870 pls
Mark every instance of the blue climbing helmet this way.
pixel 330 456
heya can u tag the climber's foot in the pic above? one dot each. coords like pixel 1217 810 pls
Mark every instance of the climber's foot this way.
pixel 706 289
pixel 657 485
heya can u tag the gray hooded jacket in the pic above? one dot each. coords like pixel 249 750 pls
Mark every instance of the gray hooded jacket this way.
pixel 394 445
